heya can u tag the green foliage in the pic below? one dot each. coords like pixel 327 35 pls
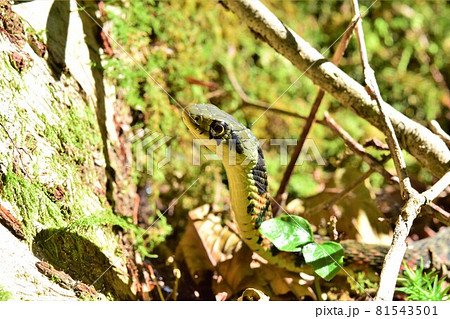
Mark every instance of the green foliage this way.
pixel 294 234
pixel 32 201
pixel 287 233
pixel 4 295
pixel 421 286
pixel 362 282
pixel 325 258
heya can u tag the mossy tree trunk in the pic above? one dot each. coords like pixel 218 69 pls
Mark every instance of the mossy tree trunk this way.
pixel 63 173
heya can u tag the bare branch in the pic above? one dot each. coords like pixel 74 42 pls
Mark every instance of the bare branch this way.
pixel 436 128
pixel 275 110
pixel 309 122
pixel 369 75
pixel 428 148
pixel 415 201
pixel 298 148
pixel 359 150
pixel 437 188
pixel 442 215
pixel 394 257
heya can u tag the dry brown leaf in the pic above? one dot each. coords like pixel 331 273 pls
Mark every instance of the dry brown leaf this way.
pixel 237 268
pixel 195 256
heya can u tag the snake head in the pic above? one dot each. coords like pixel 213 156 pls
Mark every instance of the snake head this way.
pixel 208 122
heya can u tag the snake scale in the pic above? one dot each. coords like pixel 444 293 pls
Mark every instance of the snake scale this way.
pixel 245 167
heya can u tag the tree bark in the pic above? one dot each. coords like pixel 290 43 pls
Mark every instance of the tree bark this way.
pixel 63 176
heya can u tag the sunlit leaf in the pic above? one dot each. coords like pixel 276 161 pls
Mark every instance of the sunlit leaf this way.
pixel 288 233
pixel 326 258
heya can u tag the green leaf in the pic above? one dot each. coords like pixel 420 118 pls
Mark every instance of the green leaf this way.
pixel 324 258
pixel 287 233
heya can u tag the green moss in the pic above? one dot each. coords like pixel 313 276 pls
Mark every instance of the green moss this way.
pixel 76 138
pixel 86 255
pixel 4 295
pixel 363 282
pixel 32 202
pixel 8 78
pixel 145 240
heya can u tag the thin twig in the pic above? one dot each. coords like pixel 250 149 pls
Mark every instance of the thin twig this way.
pixel 298 148
pixel 436 128
pixel 335 199
pixel 376 143
pixel 358 149
pixel 177 274
pixel 394 257
pixel 369 76
pixel 274 110
pixel 337 56
pixel 442 215
pixel 247 101
pixel 155 281
pixel 437 188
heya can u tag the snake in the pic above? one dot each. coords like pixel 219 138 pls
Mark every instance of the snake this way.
pixel 245 167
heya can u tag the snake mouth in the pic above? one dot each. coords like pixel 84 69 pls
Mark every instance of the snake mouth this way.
pixel 192 125
pixel 187 119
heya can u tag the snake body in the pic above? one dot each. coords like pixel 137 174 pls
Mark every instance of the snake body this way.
pixel 245 167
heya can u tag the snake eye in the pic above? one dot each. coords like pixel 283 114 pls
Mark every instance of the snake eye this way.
pixel 217 129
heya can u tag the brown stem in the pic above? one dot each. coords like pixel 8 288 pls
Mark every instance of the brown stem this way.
pixel 358 149
pixel 298 148
pixel 442 215
pixel 338 54
pixel 274 110
pixel 335 199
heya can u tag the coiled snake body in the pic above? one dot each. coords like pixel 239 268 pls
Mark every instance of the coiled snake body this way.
pixel 245 167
